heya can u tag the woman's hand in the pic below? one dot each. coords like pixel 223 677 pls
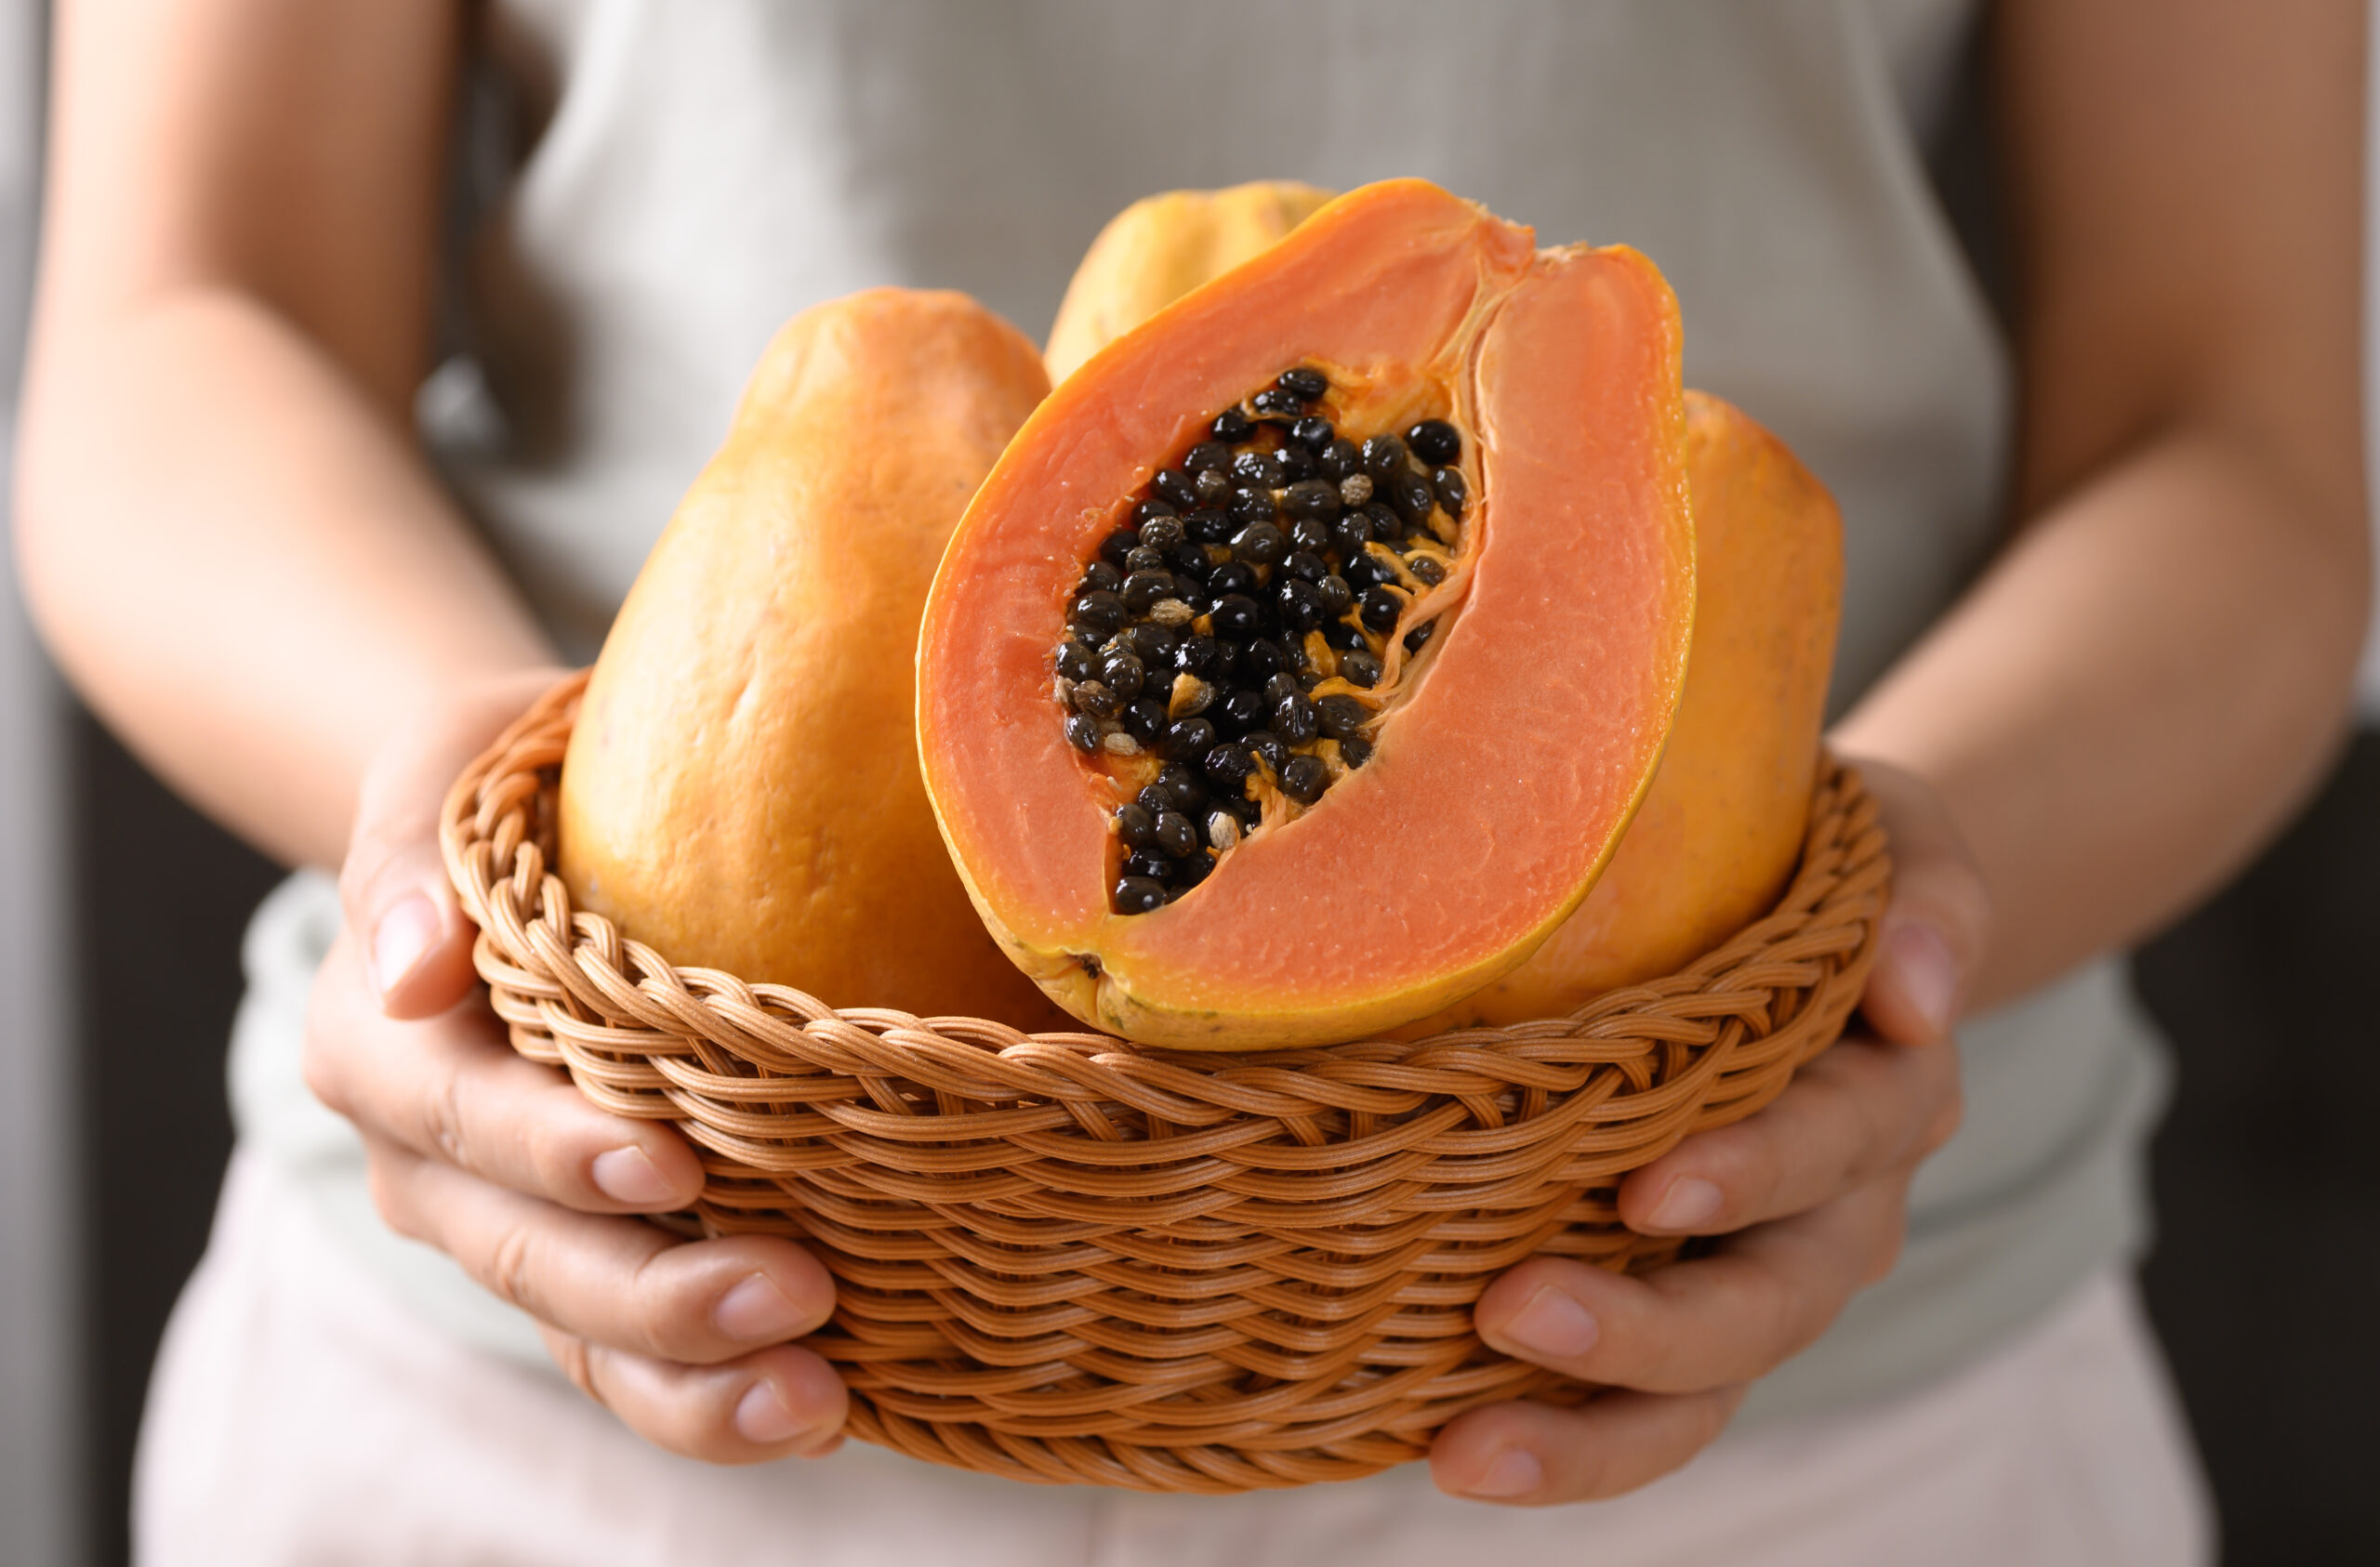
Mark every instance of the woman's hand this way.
pixel 502 1164
pixel 1812 1194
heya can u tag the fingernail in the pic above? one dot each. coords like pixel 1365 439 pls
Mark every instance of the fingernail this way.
pixel 763 1418
pixel 1553 1324
pixel 1927 971
pixel 406 933
pixel 1514 1472
pixel 628 1175
pixel 756 1311
pixel 1690 1201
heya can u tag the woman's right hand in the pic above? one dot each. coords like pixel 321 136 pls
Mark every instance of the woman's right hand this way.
pixel 502 1164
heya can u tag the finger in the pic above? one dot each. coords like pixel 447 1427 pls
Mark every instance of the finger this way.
pixel 1730 1317
pixel 613 1280
pixel 784 1403
pixel 1936 926
pixel 451 1088
pixel 1857 1111
pixel 1532 1455
pixel 393 889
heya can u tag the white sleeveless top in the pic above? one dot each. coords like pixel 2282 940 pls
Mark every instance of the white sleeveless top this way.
pixel 655 186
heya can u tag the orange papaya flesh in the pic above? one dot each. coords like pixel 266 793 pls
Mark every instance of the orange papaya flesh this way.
pixel 1720 831
pixel 741 790
pixel 1504 763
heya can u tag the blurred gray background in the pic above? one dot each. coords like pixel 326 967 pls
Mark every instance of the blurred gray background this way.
pixel 120 916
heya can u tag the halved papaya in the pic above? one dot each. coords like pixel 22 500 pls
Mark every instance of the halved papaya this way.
pixel 1244 729
pixel 1719 831
pixel 734 795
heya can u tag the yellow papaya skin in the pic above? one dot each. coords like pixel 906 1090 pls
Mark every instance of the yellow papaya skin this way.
pixel 741 790
pixel 1160 248
pixel 1710 847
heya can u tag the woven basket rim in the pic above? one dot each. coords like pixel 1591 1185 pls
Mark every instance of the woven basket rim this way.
pixel 1062 1256
pixel 466 819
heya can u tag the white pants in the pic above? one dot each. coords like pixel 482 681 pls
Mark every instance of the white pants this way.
pixel 299 1415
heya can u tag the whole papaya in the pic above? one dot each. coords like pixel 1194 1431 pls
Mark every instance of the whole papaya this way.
pixel 742 790
pixel 1160 248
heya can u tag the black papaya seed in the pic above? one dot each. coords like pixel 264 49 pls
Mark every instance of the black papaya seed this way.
pixel 1260 544
pixel 1149 862
pixel 1296 720
pixel 1252 507
pixel 1227 767
pixel 1434 442
pixel 1180 783
pixel 1082 733
pixel 1139 895
pixel 1304 383
pixel 1244 710
pixel 1305 779
pixel 1136 824
pixel 1343 716
pixel 1258 470
pixel 1145 721
pixel 1176 490
pixel 1123 674
pixel 1235 616
pixel 1189 738
pixel 1231 427
pixel 1410 494
pixel 1209 524
pixel 1453 493
pixel 1300 606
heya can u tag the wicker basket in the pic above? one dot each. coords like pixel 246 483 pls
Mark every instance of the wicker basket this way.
pixel 1064 1258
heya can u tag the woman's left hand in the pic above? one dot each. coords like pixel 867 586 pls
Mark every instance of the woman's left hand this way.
pixel 1811 1193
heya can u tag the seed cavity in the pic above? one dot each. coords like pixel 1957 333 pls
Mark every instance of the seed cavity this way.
pixel 1231 652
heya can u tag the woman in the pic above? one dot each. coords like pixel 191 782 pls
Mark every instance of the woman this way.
pixel 246 536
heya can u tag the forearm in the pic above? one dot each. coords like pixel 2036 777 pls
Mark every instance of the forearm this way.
pixel 239 562
pixel 2133 697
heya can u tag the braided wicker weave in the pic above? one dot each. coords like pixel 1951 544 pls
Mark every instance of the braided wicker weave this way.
pixel 1062 1258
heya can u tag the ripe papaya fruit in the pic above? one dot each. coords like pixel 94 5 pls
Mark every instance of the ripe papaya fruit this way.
pixel 1160 248
pixel 1717 835
pixel 741 790
pixel 1302 661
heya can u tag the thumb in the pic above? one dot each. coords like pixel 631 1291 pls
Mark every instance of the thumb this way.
pixel 1938 926
pixel 394 887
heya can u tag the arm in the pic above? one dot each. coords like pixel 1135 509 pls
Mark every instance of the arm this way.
pixel 2158 670
pixel 228 540
pixel 2130 701
pixel 240 560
